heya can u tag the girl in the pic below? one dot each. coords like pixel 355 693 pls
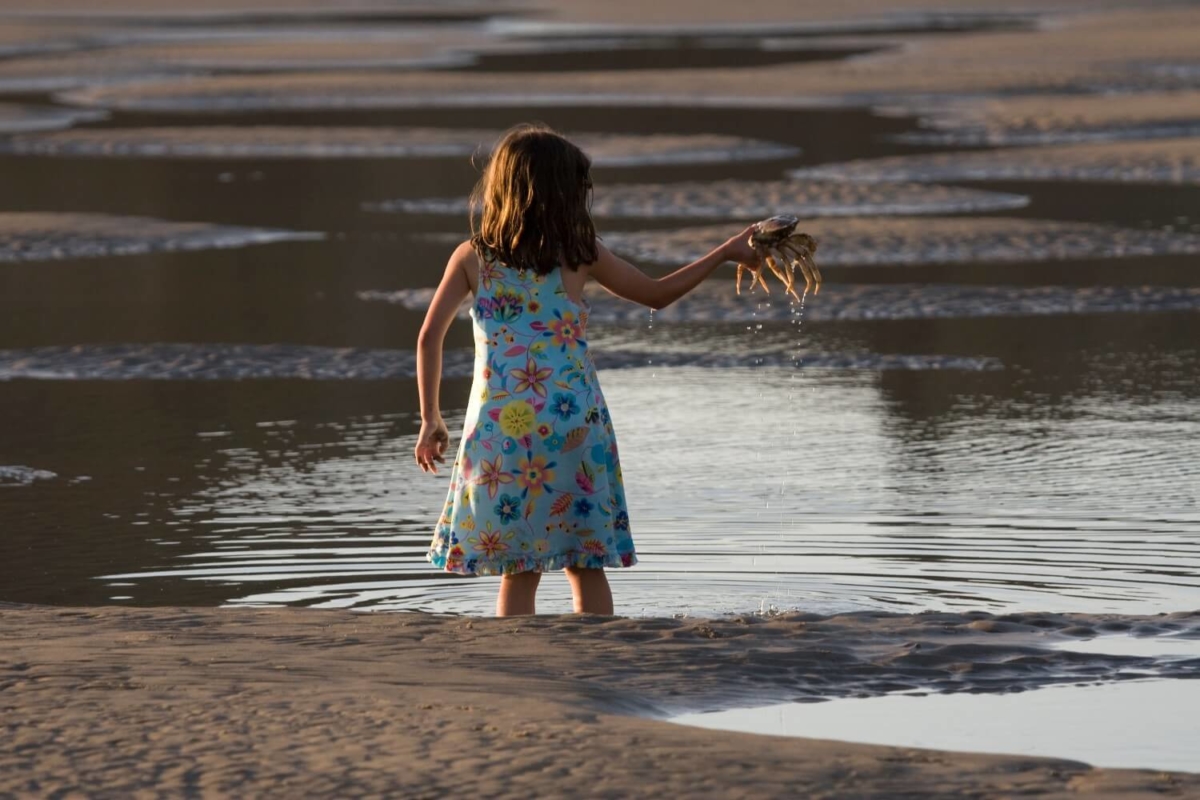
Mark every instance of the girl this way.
pixel 537 482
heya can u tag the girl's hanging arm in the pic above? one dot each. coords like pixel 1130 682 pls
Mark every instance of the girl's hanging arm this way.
pixel 454 288
pixel 625 280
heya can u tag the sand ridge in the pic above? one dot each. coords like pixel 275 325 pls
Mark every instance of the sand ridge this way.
pixel 758 199
pixel 295 141
pixel 1097 49
pixel 218 701
pixel 1174 161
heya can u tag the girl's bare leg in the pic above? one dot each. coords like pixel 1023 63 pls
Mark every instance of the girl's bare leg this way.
pixel 590 592
pixel 517 594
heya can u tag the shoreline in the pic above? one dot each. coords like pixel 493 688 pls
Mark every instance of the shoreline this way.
pixel 268 701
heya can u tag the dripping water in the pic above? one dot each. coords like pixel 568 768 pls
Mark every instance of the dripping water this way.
pixel 650 339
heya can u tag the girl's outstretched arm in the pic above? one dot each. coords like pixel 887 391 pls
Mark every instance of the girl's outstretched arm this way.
pixel 454 288
pixel 625 280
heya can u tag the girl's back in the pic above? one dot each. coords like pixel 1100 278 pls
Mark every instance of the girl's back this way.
pixel 537 481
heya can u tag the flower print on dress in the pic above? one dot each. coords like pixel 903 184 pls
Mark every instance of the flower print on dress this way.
pixel 564 405
pixel 508 305
pixel 516 418
pixel 532 379
pixel 532 487
pixel 492 474
pixel 508 508
pixel 565 330
pixel 487 270
pixel 533 473
pixel 491 542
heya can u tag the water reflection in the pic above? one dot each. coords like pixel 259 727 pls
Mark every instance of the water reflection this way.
pixel 1124 725
pixel 1003 439
pixel 840 509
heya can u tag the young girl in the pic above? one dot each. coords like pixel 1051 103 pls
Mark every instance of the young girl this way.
pixel 537 482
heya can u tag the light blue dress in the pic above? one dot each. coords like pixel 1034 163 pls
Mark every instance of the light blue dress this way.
pixel 536 484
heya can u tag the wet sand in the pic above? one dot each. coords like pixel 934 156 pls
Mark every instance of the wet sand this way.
pixel 1168 161
pixel 295 141
pixel 270 702
pixel 753 200
pixel 902 241
pixel 1098 49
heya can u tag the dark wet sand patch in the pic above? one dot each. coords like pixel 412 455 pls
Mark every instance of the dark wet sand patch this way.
pixel 651 54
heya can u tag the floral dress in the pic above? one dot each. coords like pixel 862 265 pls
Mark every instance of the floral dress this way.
pixel 536 484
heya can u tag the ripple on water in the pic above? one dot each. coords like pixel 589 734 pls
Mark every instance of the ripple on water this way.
pixel 844 510
pixel 715 303
pixel 250 362
pixel 757 199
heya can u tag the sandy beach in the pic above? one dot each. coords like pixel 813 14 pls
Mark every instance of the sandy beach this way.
pixel 261 702
pixel 150 134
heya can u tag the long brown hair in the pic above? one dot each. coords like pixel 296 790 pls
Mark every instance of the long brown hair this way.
pixel 532 203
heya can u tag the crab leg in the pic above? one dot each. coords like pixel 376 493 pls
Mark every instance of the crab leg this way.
pixel 807 247
pixel 788 275
pixel 802 258
pixel 773 260
pixel 758 272
pixel 816 273
pixel 742 269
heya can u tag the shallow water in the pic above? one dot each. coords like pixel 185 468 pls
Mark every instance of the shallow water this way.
pixel 949 428
pixel 1119 725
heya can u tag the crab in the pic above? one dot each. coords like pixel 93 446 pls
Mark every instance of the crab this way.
pixel 783 251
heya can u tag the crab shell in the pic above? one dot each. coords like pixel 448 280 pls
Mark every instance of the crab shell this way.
pixel 773 231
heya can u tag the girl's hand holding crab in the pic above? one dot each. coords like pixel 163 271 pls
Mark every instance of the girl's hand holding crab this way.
pixel 431 445
pixel 740 251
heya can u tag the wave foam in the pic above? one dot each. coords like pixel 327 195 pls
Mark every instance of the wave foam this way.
pixel 49 236
pixel 23 476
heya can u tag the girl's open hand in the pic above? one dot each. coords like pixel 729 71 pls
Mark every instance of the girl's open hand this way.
pixel 738 249
pixel 431 445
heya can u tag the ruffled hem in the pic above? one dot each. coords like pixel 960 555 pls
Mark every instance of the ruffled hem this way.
pixel 577 559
